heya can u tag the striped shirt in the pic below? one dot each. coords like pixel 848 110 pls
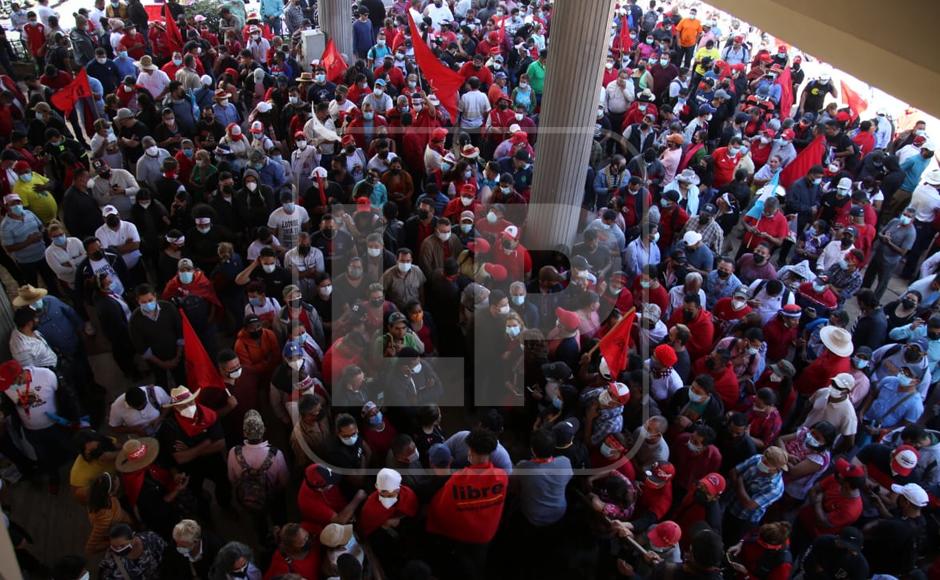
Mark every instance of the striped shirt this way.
pixel 763 489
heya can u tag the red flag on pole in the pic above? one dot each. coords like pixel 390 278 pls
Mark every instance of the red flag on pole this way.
pixel 616 344
pixel 855 101
pixel 625 43
pixel 445 82
pixel 172 30
pixel 332 61
pixel 502 31
pixel 811 155
pixel 65 98
pixel 201 372
pixel 785 80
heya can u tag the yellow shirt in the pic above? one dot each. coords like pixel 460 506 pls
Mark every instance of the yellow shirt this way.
pixel 83 474
pixel 702 53
pixel 40 203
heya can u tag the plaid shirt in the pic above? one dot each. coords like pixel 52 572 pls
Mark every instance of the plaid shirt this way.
pixel 847 282
pixel 608 420
pixel 712 236
pixel 763 489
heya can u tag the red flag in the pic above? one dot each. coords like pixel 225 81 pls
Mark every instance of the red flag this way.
pixel 786 92
pixel 332 61
pixel 502 31
pixel 201 372
pixel 175 38
pixel 811 155
pixel 616 343
pixel 65 98
pixel 855 101
pixel 445 82
pixel 625 43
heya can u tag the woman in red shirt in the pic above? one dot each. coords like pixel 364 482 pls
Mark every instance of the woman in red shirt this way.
pixel 764 554
pixel 296 554
pixel 771 227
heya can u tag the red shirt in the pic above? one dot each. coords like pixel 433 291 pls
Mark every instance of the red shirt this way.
pixel 841 511
pixel 518 263
pixel 726 382
pixel 779 338
pixel 724 166
pixel 750 557
pixel 691 467
pixel 374 514
pixel 671 222
pixel 483 73
pixel 658 295
pixel 775 226
pixel 655 500
pixel 469 506
pixel 702 329
pixel 308 568
pixel 380 441
pixel 866 143
pixel 318 507
pixel 821 372
pixel 723 312
pixel 827 298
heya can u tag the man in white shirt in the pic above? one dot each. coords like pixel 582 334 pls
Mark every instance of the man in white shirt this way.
pixel 150 165
pixel 439 12
pixel 617 98
pixel 139 411
pixel 152 78
pixel 27 344
pixel 304 262
pixel 926 202
pixel 113 186
pixel 44 12
pixel 474 106
pixel 832 404
pixel 119 236
pixel 340 104
pixel 288 220
pixel 64 255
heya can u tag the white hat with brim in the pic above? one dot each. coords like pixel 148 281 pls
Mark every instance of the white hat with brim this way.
pixel 27 295
pixel 181 396
pixel 837 340
pixel 932 177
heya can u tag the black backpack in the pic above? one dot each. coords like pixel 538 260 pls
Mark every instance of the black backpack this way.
pixel 252 487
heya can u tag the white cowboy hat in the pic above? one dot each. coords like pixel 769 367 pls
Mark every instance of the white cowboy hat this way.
pixel 838 340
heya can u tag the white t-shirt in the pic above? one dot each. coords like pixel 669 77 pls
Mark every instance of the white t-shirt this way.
pixel 312 261
pixel 287 225
pixel 255 247
pixel 474 106
pixel 841 414
pixel 155 82
pixel 101 266
pixel 38 399
pixel 122 415
pixel 126 232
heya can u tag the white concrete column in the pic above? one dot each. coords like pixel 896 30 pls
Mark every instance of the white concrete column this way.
pixel 577 46
pixel 336 21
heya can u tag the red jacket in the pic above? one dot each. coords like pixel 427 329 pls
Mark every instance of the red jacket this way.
pixel 518 264
pixel 308 568
pixel 374 514
pixel 702 329
pixel 726 382
pixel 821 372
pixel 482 73
pixel 724 166
pixel 779 338
pixel 355 128
pixel 469 506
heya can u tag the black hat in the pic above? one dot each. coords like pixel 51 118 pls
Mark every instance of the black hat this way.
pixel 556 370
pixel 564 431
pixel 709 208
pixel 850 538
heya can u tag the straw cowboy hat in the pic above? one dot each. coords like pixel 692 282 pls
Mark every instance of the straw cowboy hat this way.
pixel 27 295
pixel 181 396
pixel 137 454
pixel 838 340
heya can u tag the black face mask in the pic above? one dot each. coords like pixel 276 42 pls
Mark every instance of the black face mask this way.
pixel 908 303
pixel 105 174
pixel 701 496
pixel 97 255
pixel 507 245
pixel 710 363
pixel 423 214
pixel 255 333
pixel 912 355
pixel 113 221
pixel 705 219
pixel 724 275
pixel 688 316
pixel 377 302
pixel 759 259
pixel 303 250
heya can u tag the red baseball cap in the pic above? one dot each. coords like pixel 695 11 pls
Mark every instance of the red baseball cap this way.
pixel 788 134
pixel 468 188
pixel 478 246
pixel 438 134
pixel 848 469
pixel 665 534
pixel 660 473
pixel 714 483
pixel 496 272
pixel 619 392
pixel 567 318
pixel 904 460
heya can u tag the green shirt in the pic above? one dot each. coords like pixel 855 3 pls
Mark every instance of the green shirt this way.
pixel 536 72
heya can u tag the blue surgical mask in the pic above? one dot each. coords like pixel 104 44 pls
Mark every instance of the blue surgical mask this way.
pixel 289 207
pixel 186 277
pixel 905 381
pixel 113 286
pixel 149 306
pixel 368 115
pixel 860 363
pixel 256 301
pixel 60 240
pixel 376 420
pixel 37 305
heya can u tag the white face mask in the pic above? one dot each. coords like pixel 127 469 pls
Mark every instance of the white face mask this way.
pixel 443 236
pixel 268 268
pixel 235 374
pixel 404 267
pixel 491 217
pixel 152 151
pixel 325 291
pixel 374 252
pixel 350 441
pixel 251 185
pixel 388 502
pixel 607 452
pixel 296 364
pixel 604 399
pixel 416 369
pixel 189 412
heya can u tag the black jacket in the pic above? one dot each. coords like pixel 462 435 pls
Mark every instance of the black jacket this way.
pixel 81 213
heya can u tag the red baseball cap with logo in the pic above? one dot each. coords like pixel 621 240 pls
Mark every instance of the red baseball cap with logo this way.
pixel 904 460
pixel 665 534
pixel 714 483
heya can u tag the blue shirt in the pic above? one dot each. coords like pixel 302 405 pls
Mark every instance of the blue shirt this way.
pixel 888 400
pixel 716 288
pixel 225 115
pixel 913 167
pixel 906 334
pixel 14 231
pixel 60 324
pixel 764 489
pixel 126 66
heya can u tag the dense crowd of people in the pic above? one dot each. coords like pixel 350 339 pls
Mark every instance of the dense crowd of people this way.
pixel 283 256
